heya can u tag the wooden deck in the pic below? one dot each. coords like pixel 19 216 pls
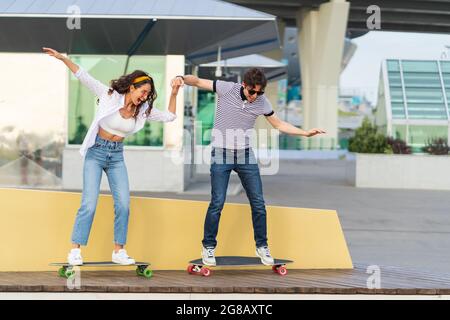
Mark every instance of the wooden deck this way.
pixel 394 281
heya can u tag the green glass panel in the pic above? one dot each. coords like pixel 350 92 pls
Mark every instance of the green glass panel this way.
pixel 205 116
pixel 418 135
pixel 399 132
pixel 393 65
pixel 398 110
pixel 424 95
pixel 446 78
pixel 445 66
pixel 396 94
pixel 395 79
pixel 422 79
pixel 419 66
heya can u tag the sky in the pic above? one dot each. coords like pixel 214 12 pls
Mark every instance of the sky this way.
pixel 363 71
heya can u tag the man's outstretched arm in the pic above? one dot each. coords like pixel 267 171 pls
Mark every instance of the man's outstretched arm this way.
pixel 195 81
pixel 288 128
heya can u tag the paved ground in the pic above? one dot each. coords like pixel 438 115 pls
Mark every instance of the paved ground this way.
pixel 409 228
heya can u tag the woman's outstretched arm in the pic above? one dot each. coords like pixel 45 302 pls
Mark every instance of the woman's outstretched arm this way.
pixel 95 86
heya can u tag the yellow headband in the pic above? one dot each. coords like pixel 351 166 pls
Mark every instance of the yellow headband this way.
pixel 141 79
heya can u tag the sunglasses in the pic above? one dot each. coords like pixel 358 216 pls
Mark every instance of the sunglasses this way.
pixel 252 92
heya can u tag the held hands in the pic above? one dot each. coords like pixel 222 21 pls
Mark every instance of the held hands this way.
pixel 53 53
pixel 177 79
pixel 314 132
pixel 176 83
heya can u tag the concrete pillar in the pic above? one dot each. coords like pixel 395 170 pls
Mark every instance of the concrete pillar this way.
pixel 173 131
pixel 321 44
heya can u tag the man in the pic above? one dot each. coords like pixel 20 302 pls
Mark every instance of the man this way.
pixel 238 106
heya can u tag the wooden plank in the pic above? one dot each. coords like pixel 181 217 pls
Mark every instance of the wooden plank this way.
pixel 393 281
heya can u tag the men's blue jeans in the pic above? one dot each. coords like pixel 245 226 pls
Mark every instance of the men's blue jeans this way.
pixel 243 162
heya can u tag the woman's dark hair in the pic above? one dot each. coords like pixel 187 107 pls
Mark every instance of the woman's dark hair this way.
pixel 123 84
pixel 255 76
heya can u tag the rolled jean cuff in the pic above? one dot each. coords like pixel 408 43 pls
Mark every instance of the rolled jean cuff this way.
pixel 80 243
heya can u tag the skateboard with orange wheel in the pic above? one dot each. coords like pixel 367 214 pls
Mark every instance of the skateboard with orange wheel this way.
pixel 197 267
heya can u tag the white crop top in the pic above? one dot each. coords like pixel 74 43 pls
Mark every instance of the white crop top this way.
pixel 118 125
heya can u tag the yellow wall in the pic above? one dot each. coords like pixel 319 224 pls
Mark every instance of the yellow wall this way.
pixel 35 229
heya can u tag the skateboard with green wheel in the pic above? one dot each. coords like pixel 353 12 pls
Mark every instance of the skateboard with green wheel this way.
pixel 67 271
pixel 197 267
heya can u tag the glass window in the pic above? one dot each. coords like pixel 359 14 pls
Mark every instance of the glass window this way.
pixel 392 65
pixel 395 79
pixel 419 66
pixel 83 104
pixel 396 89
pixel 423 90
pixel 399 132
pixel 446 78
pixel 430 113
pixel 422 79
pixel 396 94
pixel 445 66
pixel 32 124
pixel 419 135
pixel 205 116
pixel 398 110
pixel 424 95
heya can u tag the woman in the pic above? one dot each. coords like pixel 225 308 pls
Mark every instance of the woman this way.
pixel 123 109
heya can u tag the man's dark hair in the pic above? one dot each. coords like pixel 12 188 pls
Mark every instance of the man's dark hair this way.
pixel 255 76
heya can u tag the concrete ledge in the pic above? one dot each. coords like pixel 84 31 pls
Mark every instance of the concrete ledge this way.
pixel 400 171
pixel 35 229
pixel 149 169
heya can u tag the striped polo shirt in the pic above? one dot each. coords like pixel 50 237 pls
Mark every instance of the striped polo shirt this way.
pixel 235 117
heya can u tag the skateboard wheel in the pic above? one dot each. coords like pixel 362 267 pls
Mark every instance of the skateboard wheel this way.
pixel 282 271
pixel 62 272
pixel 275 269
pixel 148 273
pixel 69 273
pixel 190 269
pixel 140 270
pixel 206 272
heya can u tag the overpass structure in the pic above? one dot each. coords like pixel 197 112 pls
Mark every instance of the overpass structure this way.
pixel 323 26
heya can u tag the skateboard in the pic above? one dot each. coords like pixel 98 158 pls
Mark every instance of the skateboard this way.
pixel 66 270
pixel 197 266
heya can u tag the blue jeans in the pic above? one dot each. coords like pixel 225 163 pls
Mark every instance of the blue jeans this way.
pixel 105 156
pixel 243 162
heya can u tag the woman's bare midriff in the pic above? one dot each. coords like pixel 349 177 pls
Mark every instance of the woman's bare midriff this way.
pixel 109 136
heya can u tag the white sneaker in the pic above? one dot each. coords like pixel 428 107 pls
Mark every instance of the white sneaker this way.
pixel 74 257
pixel 264 254
pixel 208 256
pixel 122 257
